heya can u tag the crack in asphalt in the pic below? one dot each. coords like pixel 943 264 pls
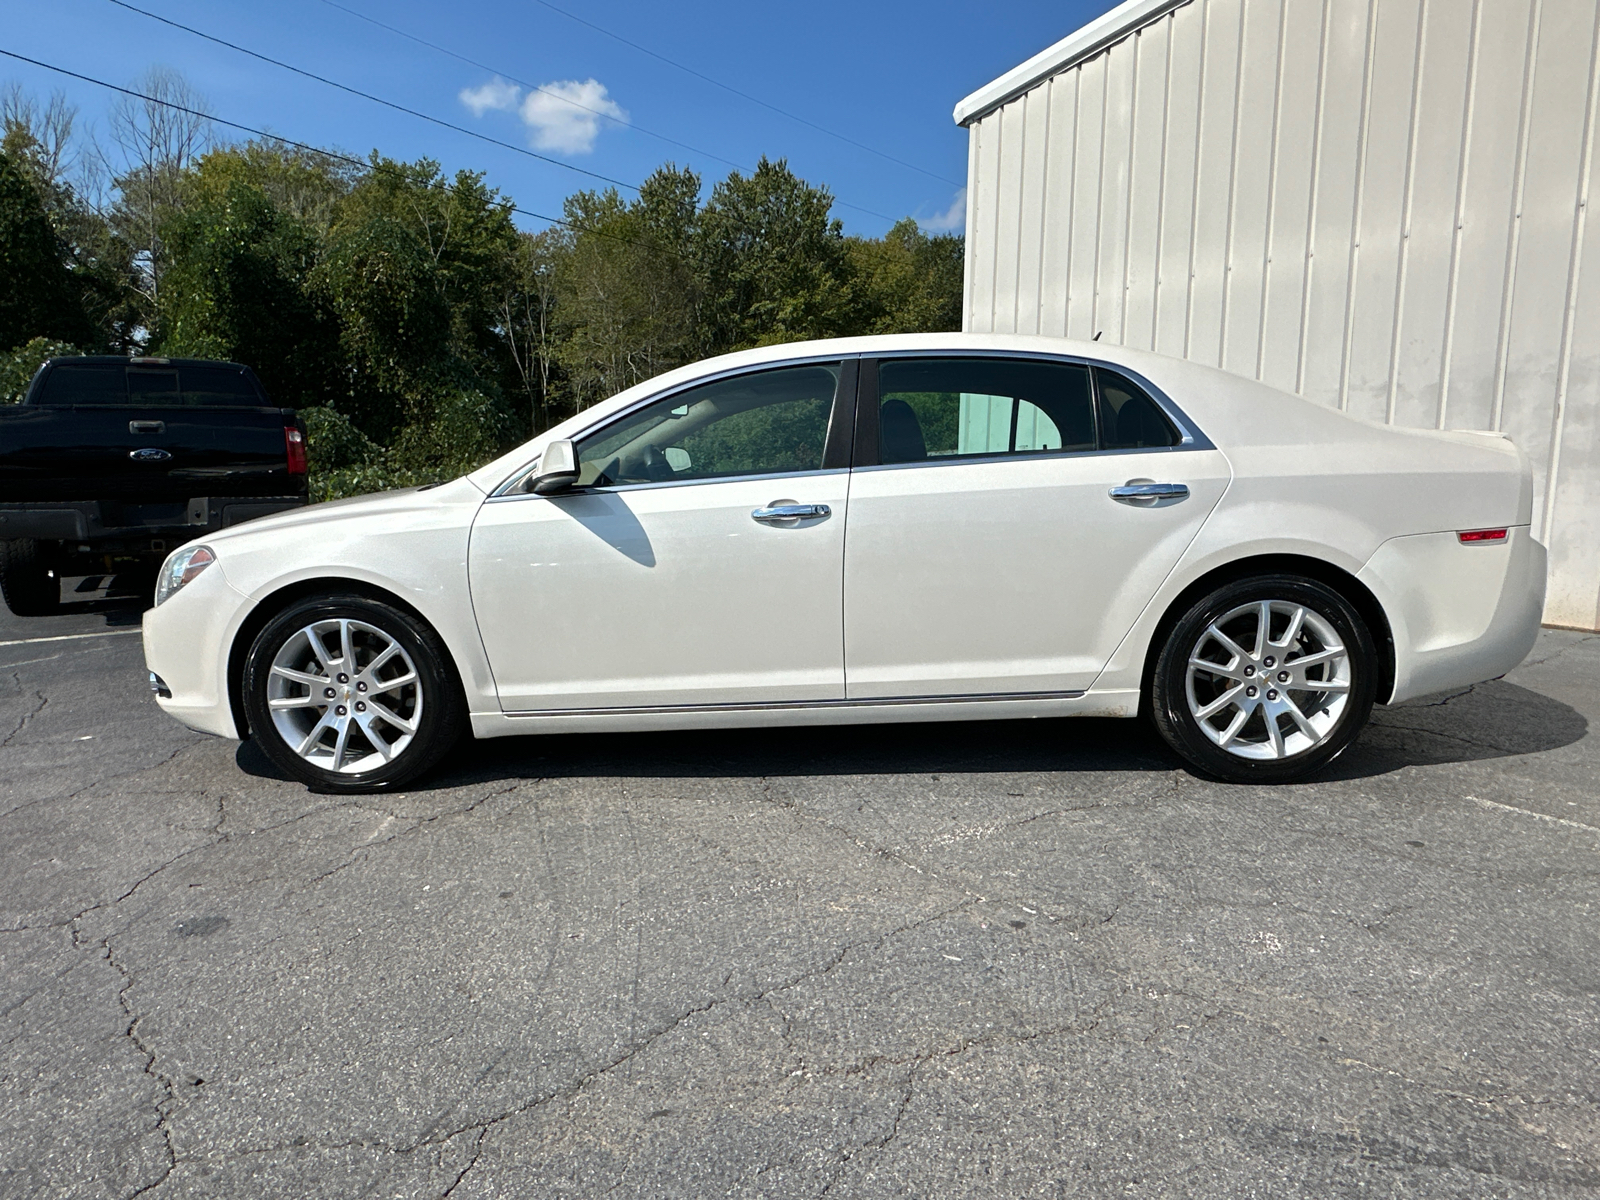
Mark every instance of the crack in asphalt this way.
pixel 103 780
pixel 1557 653
pixel 22 721
pixel 163 1106
pixel 573 1087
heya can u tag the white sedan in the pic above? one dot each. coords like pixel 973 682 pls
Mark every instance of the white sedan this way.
pixel 912 528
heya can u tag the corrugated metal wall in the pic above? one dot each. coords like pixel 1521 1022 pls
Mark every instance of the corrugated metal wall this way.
pixel 1379 204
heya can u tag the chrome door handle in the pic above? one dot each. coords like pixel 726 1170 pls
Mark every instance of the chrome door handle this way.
pixel 783 514
pixel 1150 491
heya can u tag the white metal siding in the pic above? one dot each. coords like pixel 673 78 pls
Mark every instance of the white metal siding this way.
pixel 1379 204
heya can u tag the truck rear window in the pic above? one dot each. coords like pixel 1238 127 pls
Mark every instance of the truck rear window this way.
pixel 89 384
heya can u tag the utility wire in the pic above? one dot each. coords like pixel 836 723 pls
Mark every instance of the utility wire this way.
pixel 482 137
pixel 533 87
pixel 364 164
pixel 744 95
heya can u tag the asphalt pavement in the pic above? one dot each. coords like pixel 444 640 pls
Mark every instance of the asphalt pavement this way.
pixel 1032 959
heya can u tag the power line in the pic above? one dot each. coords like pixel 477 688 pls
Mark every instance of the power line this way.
pixel 482 137
pixel 310 149
pixel 533 87
pixel 746 95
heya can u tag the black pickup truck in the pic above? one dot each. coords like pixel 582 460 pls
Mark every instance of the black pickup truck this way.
pixel 109 463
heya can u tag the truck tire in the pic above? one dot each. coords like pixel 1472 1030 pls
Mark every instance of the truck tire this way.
pixel 30 589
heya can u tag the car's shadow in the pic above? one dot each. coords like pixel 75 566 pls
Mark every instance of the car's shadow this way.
pixel 1493 720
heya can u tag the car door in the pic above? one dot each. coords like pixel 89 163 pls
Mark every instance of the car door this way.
pixel 698 562
pixel 1009 518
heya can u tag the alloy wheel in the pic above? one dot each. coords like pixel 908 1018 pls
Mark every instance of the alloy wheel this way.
pixel 344 695
pixel 1268 680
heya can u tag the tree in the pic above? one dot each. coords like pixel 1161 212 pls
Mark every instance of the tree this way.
pixel 774 264
pixel 238 289
pixel 910 282
pixel 628 285
pixel 38 294
pixel 159 135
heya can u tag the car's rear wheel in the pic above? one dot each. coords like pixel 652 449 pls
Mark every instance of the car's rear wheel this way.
pixel 1265 680
pixel 349 694
pixel 30 589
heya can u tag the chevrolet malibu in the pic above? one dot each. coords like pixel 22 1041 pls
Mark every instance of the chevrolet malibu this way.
pixel 934 527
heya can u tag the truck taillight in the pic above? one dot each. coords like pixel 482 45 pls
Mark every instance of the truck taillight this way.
pixel 295 442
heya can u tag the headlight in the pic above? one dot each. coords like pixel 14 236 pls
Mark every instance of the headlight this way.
pixel 181 568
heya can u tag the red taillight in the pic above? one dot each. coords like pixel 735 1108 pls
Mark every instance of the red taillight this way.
pixel 1482 535
pixel 295 442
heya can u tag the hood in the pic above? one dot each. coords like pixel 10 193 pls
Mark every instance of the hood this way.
pixel 380 504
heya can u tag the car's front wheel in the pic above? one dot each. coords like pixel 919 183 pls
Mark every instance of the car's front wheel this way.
pixel 349 694
pixel 1265 679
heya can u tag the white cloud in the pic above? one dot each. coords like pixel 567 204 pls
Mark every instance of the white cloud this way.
pixel 566 116
pixel 497 93
pixel 562 116
pixel 952 220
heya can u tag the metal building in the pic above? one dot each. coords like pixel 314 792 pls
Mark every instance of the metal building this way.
pixel 1378 204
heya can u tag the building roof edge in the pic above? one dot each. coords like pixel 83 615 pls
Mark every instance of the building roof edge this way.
pixel 1074 48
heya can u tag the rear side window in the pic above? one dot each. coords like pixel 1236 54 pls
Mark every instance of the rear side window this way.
pixel 938 408
pixel 95 384
pixel 1129 418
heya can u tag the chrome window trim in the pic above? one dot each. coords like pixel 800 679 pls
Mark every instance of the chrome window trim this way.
pixel 664 483
pixel 1190 435
pixel 969 460
pixel 521 473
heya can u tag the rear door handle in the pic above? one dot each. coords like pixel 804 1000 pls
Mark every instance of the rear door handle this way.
pixel 1151 491
pixel 788 514
pixel 147 426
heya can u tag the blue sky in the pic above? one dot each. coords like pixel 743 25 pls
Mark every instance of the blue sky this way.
pixel 885 75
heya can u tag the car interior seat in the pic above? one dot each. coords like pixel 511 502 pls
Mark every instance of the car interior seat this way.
pixel 1139 424
pixel 900 433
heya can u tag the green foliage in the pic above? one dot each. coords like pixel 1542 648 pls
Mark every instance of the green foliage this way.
pixel 18 367
pixel 333 443
pixel 38 295
pixel 774 263
pixel 236 289
pixel 910 282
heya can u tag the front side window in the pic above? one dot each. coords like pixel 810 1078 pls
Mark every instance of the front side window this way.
pixel 936 408
pixel 764 423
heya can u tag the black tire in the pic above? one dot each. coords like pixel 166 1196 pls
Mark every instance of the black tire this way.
pixel 1256 755
pixel 30 589
pixel 434 703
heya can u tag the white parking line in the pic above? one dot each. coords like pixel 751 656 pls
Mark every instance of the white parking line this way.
pixel 70 637
pixel 1528 812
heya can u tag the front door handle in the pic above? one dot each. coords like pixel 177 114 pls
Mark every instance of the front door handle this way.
pixel 147 426
pixel 1151 491
pixel 786 513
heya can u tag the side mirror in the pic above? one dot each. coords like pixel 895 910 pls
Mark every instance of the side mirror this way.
pixel 558 469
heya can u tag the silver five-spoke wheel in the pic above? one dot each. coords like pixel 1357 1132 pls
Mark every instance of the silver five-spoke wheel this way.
pixel 344 695
pixel 1268 680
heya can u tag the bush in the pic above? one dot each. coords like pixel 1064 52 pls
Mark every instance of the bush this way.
pixel 18 367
